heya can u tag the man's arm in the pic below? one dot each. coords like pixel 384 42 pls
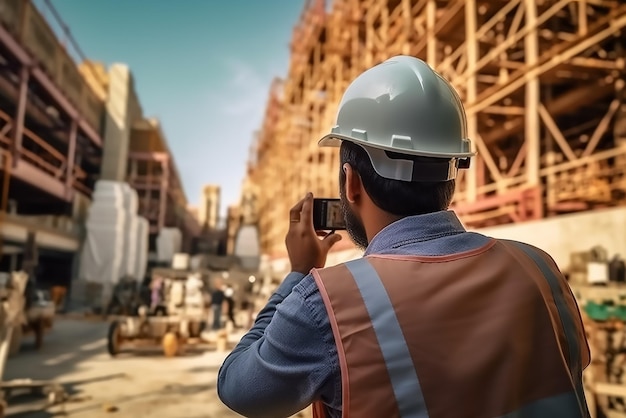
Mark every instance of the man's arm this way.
pixel 280 366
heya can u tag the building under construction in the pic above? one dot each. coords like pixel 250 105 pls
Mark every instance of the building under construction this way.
pixel 542 83
pixel 62 128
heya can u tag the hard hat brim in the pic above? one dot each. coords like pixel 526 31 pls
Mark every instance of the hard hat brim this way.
pixel 334 140
pixel 330 141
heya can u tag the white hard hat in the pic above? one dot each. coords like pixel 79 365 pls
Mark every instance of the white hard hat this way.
pixel 402 105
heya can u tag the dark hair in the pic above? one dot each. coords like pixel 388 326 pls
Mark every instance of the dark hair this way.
pixel 400 198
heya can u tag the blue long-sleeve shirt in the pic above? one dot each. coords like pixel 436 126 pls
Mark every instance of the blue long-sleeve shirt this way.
pixel 289 359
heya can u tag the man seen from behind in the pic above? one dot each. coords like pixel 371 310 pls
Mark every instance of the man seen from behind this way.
pixel 433 321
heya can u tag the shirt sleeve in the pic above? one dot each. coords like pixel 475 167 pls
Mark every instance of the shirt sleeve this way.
pixel 281 365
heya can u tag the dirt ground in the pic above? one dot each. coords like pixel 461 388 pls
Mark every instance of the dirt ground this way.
pixel 139 384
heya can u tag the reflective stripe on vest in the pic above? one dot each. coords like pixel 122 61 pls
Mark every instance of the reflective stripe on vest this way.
pixel 406 385
pixel 566 319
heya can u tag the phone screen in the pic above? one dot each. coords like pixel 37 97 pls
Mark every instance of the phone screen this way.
pixel 327 215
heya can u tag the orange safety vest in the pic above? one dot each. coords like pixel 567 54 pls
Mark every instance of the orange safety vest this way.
pixel 493 332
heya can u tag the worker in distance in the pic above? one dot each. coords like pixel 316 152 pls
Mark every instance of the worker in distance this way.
pixel 433 321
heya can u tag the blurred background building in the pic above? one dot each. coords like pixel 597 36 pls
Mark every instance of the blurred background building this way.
pixel 543 85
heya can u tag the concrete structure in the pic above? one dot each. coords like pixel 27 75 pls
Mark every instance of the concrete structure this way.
pixel 50 143
pixel 563 235
pixel 62 127
pixel 543 84
pixel 153 172
pixel 209 207
pixel 122 111
pixel 136 151
pixel 560 236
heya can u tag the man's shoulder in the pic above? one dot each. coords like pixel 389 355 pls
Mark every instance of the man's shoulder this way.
pixel 340 269
pixel 523 245
pixel 308 288
pixel 530 250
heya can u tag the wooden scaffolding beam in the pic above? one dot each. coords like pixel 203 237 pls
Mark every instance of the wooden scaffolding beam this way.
pixel 542 82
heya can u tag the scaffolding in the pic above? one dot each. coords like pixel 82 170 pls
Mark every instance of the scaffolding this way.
pixel 542 82
pixel 50 118
pixel 153 173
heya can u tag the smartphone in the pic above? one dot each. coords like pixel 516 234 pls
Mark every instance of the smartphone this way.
pixel 327 215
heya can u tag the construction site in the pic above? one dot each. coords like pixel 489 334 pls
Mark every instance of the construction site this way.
pixel 95 223
pixel 92 203
pixel 542 83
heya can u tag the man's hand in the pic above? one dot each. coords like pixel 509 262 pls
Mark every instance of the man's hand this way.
pixel 305 249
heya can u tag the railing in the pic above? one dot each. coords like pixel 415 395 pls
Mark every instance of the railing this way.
pixel 41 154
pixel 599 179
pixel 564 171
pixel 51 223
pixel 29 27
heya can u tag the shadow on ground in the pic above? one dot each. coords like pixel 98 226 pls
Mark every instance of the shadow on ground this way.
pixel 34 403
pixel 66 345
pixel 204 369
pixel 169 390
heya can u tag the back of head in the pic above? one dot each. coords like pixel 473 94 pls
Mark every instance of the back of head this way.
pixel 403 128
pixel 397 197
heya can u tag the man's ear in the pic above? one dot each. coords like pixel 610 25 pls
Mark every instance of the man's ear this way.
pixel 353 183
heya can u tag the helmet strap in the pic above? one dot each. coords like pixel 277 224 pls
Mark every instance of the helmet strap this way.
pixel 412 168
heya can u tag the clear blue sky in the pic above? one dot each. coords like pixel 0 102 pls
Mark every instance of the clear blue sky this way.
pixel 203 67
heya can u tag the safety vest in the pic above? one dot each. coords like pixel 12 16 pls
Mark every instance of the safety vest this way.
pixel 493 332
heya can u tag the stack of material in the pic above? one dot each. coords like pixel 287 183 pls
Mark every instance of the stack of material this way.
pixel 169 242
pixel 103 252
pixel 194 295
pixel 116 244
pixel 129 255
pixel 143 235
pixel 248 248
pixel 117 239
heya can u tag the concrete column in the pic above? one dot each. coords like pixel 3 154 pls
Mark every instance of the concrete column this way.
pixel 120 114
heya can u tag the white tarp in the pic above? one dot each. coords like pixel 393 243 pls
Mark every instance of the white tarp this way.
pixel 247 247
pixel 143 235
pixel 169 242
pixel 116 243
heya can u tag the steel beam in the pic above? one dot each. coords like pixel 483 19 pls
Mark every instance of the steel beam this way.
pixel 71 158
pixel 42 78
pixel 148 155
pixel 29 173
pixel 18 122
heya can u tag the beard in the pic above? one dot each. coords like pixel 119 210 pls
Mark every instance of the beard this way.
pixel 354 226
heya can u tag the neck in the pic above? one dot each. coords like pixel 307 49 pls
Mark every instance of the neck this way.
pixel 377 220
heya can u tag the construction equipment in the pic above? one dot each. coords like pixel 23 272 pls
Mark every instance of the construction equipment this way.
pixel 174 317
pixel 14 317
pixel 603 308
pixel 36 315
